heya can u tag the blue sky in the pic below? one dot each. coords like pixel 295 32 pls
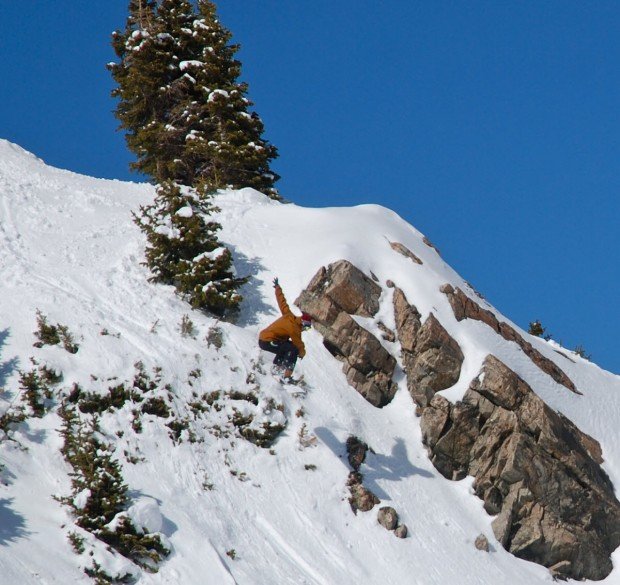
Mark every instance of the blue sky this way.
pixel 491 126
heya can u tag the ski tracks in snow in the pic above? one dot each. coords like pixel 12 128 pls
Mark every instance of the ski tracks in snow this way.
pixel 282 547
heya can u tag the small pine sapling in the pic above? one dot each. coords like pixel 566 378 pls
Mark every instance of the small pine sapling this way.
pixel 46 334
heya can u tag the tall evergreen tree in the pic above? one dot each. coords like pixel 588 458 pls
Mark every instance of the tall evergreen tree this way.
pixel 225 140
pixel 185 112
pixel 146 69
pixel 187 120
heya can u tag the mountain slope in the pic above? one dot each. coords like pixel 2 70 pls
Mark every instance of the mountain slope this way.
pixel 233 512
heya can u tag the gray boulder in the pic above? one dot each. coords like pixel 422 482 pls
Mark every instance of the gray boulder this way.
pixel 387 517
pixel 401 531
pixel 482 543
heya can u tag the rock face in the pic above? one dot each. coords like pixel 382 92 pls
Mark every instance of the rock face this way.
pixel 536 472
pixel 432 359
pixel 534 469
pixel 333 295
pixel 466 308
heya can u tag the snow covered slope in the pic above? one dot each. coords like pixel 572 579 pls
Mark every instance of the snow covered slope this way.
pixel 233 512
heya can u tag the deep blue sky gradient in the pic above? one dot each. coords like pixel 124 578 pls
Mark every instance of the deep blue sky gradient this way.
pixel 491 126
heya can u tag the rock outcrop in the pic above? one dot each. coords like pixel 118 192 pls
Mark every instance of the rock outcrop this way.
pixel 432 359
pixel 536 472
pixel 332 297
pixel 534 469
pixel 404 251
pixel 466 308
pixel 356 452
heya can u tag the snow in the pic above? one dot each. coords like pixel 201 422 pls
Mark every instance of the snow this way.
pixel 215 93
pixel 71 250
pixel 185 65
pixel 186 211
pixel 146 515
pixel 213 255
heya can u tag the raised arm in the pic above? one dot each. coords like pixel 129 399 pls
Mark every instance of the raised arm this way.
pixel 284 308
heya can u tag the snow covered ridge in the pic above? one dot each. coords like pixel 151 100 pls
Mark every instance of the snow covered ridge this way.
pixel 182 400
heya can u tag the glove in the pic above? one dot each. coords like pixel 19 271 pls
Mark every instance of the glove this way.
pixel 276 283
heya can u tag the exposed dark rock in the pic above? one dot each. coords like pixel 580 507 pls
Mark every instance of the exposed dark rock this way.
pixel 361 497
pixel 387 517
pixel 534 469
pixel 401 531
pixel 406 252
pixel 560 571
pixel 430 245
pixel 387 333
pixel 466 308
pixel 349 289
pixel 408 321
pixel 333 295
pixel 356 452
pixel 482 543
pixel 431 357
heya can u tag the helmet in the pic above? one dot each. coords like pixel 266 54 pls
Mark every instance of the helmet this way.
pixel 306 320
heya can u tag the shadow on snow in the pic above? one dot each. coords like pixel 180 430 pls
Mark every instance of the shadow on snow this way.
pixel 253 303
pixel 12 525
pixel 6 368
pixel 376 467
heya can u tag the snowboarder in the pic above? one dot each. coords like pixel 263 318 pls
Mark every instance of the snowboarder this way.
pixel 283 337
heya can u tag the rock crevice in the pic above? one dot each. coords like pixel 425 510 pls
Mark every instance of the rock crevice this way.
pixel 432 359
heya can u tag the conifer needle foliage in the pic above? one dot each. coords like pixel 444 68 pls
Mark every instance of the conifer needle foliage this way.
pixel 183 249
pixel 99 495
pixel 186 114
pixel 188 120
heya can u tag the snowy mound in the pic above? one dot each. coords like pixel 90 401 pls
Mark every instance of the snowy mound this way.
pixel 230 510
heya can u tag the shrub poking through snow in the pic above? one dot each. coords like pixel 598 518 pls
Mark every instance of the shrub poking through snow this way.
pixel 581 352
pixel 11 418
pixel 33 389
pixel 536 328
pixel 37 387
pixel 99 497
pixel 215 337
pixel 53 334
pixel 46 334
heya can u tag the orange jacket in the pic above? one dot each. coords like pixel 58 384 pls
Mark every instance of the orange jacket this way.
pixel 286 327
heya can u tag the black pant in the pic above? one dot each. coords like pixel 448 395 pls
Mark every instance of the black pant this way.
pixel 286 353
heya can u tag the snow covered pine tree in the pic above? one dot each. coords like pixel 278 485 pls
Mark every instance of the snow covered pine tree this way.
pixel 183 249
pixel 185 112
